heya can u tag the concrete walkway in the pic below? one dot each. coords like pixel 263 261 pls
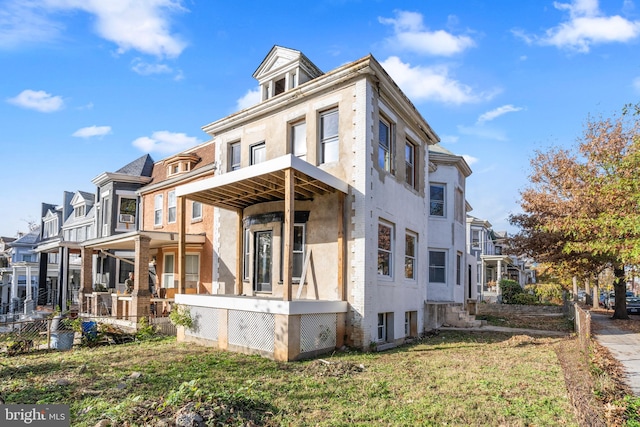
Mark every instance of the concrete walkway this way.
pixel 623 345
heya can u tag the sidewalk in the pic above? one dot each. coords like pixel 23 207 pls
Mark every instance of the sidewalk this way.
pixel 623 345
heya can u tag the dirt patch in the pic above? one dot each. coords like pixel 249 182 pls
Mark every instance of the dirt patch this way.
pixel 324 368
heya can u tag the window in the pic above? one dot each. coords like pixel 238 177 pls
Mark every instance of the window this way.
pixel 436 200
pixel 258 153
pixel 171 207
pixel 79 211
pixel 50 228
pixel 127 211
pixel 385 327
pixel 410 256
pixel 329 136
pixel 168 280
pixel 299 140
pixel 384 146
pixel 409 162
pixel 279 86
pixel 157 209
pixel 458 268
pixel 437 271
pixel 475 239
pixel 234 156
pixel 125 269
pixel 196 210
pixel 192 270
pixel 246 253
pixel 385 253
pixel 298 250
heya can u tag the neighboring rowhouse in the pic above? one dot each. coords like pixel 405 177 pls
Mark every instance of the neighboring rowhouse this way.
pixel 141 230
pixel 19 289
pixel 321 215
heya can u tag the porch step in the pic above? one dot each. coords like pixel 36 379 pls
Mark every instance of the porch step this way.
pixel 458 317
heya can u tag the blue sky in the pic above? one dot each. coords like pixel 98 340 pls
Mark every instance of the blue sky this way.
pixel 90 85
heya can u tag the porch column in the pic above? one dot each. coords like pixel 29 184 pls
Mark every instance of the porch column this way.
pixel 287 265
pixel 64 280
pixel 86 276
pixel 141 297
pixel 28 302
pixel 182 256
pixel 239 254
pixel 15 301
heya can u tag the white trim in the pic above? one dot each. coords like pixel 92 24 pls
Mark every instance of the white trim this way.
pixel 260 305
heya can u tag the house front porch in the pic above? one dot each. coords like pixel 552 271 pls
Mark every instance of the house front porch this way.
pixel 274 328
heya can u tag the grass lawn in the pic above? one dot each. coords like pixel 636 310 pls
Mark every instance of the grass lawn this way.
pixel 451 378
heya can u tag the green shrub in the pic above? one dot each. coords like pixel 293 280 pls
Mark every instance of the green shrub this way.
pixel 525 299
pixel 509 289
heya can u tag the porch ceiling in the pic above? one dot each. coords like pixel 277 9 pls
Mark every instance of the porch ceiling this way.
pixel 126 241
pixel 261 183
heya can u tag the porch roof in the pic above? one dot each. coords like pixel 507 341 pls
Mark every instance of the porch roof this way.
pixel 126 241
pixel 264 182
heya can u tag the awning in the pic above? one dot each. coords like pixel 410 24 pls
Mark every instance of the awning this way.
pixel 126 241
pixel 264 182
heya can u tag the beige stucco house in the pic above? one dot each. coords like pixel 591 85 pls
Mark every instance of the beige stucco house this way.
pixel 321 200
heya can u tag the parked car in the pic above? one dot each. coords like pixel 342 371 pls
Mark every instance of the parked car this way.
pixel 611 299
pixel 633 305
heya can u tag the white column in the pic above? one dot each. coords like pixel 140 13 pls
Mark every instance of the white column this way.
pixel 28 302
pixel 14 289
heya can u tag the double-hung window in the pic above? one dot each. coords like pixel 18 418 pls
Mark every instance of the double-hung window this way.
pixel 436 200
pixel 410 163
pixel 157 209
pixel 385 249
pixel 258 153
pixel 234 156
pixel 172 207
pixel 458 268
pixel 298 250
pixel 385 158
pixel 329 141
pixel 410 247
pixel 299 140
pixel 437 267
pixel 196 211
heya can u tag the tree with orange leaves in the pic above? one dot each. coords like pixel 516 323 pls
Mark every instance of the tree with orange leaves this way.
pixel 582 209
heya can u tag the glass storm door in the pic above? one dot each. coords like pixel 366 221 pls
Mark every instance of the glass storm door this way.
pixel 262 270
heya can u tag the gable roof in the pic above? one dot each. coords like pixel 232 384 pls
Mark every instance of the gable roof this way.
pixel 279 58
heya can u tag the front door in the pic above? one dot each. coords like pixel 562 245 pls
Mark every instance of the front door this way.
pixel 262 270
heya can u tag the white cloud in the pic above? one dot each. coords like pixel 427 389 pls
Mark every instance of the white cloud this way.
pixel 24 23
pixel 166 142
pixel 490 115
pixel 586 27
pixel 145 69
pixel 144 26
pixel 251 98
pixel 483 132
pixel 469 159
pixel 91 131
pixel 38 100
pixel 430 83
pixel 412 35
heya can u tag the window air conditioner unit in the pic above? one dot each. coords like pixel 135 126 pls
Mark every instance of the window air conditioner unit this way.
pixel 128 219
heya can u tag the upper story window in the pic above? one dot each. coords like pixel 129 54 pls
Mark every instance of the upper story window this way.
pixel 329 136
pixel 410 163
pixel 436 200
pixel 299 140
pixel 459 206
pixel 158 201
pixel 234 156
pixel 385 249
pixel 50 228
pixel 171 207
pixel 385 148
pixel 475 239
pixel 79 211
pixel 196 211
pixel 258 153
pixel 458 268
pixel 127 211
pixel 279 86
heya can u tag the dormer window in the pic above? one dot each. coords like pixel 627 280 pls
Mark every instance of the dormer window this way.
pixel 181 163
pixel 79 211
pixel 279 86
